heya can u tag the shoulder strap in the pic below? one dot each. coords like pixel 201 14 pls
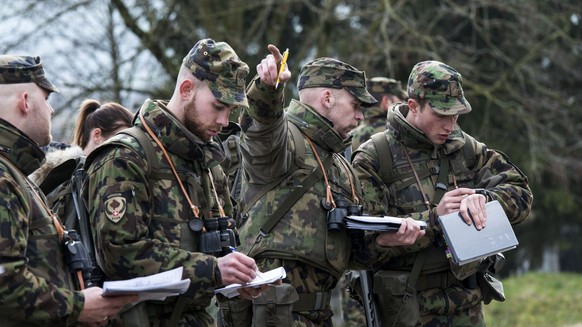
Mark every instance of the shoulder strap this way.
pixel 383 149
pixel 143 139
pixel 299 146
pixel 469 153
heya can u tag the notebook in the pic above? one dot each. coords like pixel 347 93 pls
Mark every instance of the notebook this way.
pixel 468 244
pixel 378 224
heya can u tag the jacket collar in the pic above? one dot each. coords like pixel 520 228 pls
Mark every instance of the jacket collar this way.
pixel 318 128
pixel 412 137
pixel 21 150
pixel 176 138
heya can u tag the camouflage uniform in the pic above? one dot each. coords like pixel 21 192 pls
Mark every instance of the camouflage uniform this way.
pixel 375 121
pixel 313 256
pixel 447 294
pixel 141 220
pixel 35 287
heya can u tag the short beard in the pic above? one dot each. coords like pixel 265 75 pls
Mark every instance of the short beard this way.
pixel 191 120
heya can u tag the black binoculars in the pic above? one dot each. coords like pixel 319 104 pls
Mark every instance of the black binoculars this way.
pixel 218 238
pixel 77 257
pixel 336 215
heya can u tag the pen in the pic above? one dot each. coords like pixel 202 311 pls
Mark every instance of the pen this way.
pixel 257 272
pixel 283 64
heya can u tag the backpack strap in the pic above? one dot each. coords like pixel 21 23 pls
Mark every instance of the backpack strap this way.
pixel 143 139
pixel 383 149
pixel 469 153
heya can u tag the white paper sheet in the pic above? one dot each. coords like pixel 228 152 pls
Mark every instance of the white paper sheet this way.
pixel 153 287
pixel 270 276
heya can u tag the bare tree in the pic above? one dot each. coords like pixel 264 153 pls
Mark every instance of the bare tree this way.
pixel 521 63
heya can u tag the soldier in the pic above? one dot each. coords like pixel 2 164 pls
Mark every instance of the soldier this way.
pixel 435 169
pixel 297 189
pixel 36 287
pixel 387 91
pixel 158 198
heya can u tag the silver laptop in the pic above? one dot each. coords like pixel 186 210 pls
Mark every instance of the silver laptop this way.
pixel 468 244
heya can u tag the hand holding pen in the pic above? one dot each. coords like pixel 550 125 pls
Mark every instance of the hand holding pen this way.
pixel 257 272
pixel 248 293
pixel 273 69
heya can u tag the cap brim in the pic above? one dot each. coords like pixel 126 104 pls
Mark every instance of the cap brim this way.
pixel 228 95
pixel 458 107
pixel 363 95
pixel 47 85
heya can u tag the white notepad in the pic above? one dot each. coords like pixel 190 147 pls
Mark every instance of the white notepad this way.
pixel 468 244
pixel 268 277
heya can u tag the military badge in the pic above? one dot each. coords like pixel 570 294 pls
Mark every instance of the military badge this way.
pixel 115 208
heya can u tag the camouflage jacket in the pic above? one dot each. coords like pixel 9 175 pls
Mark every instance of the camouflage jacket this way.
pixel 35 288
pixel 269 154
pixel 140 223
pixel 375 122
pixel 491 170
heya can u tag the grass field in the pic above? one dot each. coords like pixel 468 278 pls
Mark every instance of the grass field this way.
pixel 538 300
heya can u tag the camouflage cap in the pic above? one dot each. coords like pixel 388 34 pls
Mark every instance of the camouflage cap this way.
pixel 332 73
pixel 219 65
pixel 379 86
pixel 24 69
pixel 439 84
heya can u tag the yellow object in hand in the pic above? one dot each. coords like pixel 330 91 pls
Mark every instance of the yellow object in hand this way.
pixel 283 64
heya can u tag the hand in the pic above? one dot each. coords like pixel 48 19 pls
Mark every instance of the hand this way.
pixel 97 309
pixel 268 68
pixel 473 210
pixel 467 202
pixel 407 234
pixel 451 201
pixel 236 268
pixel 250 293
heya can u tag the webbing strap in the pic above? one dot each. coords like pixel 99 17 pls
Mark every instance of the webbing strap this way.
pixel 146 145
pixel 295 195
pixel 411 281
pixel 312 301
pixel 383 150
pixel 177 312
pixel 442 183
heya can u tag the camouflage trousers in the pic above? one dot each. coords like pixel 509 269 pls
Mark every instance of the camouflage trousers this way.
pixel 455 306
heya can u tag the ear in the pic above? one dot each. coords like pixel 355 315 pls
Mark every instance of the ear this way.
pixel 326 99
pixel 385 102
pixel 413 106
pixel 187 89
pixel 22 103
pixel 96 135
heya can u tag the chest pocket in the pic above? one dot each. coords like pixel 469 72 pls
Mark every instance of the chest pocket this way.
pixel 404 195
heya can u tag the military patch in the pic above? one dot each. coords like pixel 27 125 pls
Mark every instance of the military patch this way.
pixel 115 208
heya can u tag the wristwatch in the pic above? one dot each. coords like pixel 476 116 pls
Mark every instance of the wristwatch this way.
pixel 483 191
